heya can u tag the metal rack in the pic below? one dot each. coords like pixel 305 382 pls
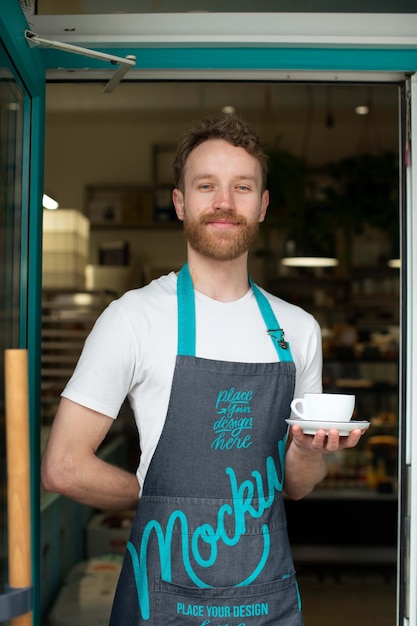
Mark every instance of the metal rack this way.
pixel 67 318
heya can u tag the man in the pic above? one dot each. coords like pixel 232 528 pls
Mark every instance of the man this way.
pixel 210 364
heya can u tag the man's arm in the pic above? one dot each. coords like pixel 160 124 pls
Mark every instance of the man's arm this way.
pixel 70 465
pixel 305 461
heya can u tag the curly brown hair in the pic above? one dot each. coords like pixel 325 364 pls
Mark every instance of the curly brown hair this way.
pixel 230 128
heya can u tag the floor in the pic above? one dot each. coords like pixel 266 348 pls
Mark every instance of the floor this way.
pixel 350 596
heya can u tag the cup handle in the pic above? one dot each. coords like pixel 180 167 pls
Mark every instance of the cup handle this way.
pixel 294 404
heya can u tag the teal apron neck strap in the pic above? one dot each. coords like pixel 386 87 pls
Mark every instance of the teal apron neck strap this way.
pixel 274 331
pixel 187 319
pixel 186 313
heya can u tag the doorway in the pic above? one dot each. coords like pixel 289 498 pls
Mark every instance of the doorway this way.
pixel 313 129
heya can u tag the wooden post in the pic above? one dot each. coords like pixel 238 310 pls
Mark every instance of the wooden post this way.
pixel 18 474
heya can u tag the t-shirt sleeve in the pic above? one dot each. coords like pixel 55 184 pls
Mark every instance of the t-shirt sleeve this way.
pixel 105 370
pixel 309 378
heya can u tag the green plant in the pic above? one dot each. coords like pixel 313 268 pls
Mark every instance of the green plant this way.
pixel 363 190
pixel 287 175
pixel 360 190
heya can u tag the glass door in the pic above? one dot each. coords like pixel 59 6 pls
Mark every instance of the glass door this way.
pixel 11 148
pixel 21 180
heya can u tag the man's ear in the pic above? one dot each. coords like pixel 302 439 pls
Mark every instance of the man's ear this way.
pixel 264 205
pixel 178 200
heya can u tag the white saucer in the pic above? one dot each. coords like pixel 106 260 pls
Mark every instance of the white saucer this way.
pixel 309 427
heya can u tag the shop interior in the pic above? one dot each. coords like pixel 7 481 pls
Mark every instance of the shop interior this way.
pixel 334 182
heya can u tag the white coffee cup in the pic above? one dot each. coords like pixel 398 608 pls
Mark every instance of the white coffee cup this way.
pixel 324 407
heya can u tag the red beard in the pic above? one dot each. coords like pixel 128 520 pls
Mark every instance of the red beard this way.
pixel 220 245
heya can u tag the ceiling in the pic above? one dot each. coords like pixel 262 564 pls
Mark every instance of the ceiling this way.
pixel 269 98
pixel 315 120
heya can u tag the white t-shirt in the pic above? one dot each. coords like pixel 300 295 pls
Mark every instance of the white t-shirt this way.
pixel 132 348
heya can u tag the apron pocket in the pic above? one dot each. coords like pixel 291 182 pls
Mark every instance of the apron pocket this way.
pixel 266 604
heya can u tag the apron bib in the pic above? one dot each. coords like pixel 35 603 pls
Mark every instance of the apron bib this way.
pixel 209 543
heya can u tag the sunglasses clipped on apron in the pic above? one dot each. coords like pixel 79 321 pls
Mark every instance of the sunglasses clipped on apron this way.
pixel 209 543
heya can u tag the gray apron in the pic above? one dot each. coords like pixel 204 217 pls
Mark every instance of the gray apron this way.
pixel 209 543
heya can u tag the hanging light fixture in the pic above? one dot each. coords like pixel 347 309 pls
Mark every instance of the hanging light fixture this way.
pixel 303 251
pixel 309 243
pixel 362 109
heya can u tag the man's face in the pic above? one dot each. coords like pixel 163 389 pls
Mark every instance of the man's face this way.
pixel 222 203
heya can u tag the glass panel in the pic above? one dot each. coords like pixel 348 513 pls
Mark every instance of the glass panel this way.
pixel 79 7
pixel 11 125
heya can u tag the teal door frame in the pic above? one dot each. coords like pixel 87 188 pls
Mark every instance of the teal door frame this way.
pixel 272 62
pixel 28 70
pixel 233 41
pixel 204 61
